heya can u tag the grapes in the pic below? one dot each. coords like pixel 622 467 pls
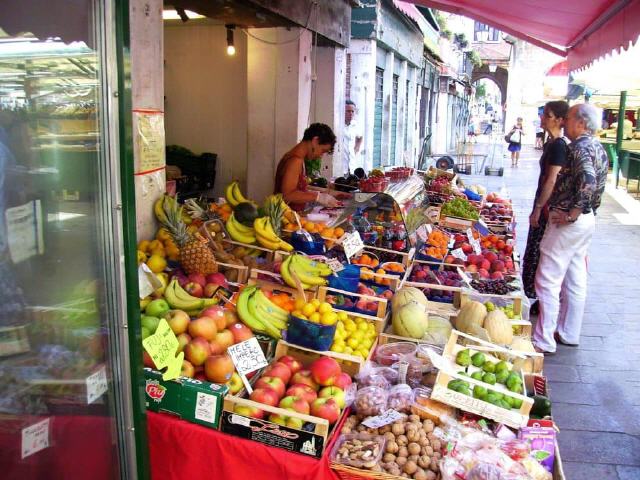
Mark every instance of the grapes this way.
pixel 459 207
pixel 498 287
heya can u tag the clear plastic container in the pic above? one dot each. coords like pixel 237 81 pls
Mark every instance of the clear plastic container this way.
pixel 391 353
pixel 400 398
pixel 422 353
pixel 425 408
pixel 370 401
pixel 373 379
pixel 359 450
pixel 415 369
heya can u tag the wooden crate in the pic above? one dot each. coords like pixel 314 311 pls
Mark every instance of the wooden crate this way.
pixel 350 364
pixel 384 306
pixel 406 257
pixel 243 271
pixel 513 418
pixel 14 340
pixel 455 223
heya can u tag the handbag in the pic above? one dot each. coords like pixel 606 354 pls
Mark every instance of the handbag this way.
pixel 507 137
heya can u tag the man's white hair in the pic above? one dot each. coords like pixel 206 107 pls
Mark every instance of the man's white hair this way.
pixel 590 115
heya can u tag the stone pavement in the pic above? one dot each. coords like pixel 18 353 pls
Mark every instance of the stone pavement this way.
pixel 595 388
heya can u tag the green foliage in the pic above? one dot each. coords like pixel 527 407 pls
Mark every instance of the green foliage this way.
pixel 460 39
pixel 481 91
pixel 474 58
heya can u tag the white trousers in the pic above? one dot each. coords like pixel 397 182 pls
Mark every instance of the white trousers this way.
pixel 562 268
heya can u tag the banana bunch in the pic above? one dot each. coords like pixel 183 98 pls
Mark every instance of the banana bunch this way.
pixel 240 232
pixel 309 272
pixel 258 313
pixel 267 237
pixel 233 194
pixel 159 209
pixel 178 298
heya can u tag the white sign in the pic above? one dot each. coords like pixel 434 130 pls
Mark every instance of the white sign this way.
pixel 458 253
pixel 474 242
pixel 335 265
pixel 362 197
pixel 247 356
pixel 386 418
pixel 147 281
pixel 465 277
pixel 351 243
pixel 422 234
pixel 206 407
pixel 35 438
pixel 96 384
pixel 24 231
pixel 452 242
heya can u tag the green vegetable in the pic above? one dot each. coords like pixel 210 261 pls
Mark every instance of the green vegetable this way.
pixel 489 378
pixel 541 406
pixel 478 359
pixel 459 207
pixel 489 366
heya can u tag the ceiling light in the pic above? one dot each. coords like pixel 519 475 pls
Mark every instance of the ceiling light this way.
pixel 173 15
pixel 231 48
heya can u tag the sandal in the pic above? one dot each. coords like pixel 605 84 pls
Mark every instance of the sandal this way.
pixel 558 339
pixel 544 352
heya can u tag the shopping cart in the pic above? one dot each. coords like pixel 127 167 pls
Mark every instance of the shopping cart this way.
pixel 495 144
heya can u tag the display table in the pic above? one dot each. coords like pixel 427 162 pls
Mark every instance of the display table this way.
pixel 179 449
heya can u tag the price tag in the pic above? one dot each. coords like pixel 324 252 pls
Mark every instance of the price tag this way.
pixel 162 347
pixel 421 232
pixel 386 418
pixel 458 253
pixel 96 384
pixel 352 244
pixel 35 438
pixel 470 235
pixel 452 242
pixel 481 227
pixel 248 357
pixel 428 227
pixel 335 265
pixel 206 407
pixel 464 275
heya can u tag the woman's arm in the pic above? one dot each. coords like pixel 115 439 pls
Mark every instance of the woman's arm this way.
pixel 547 189
pixel 290 192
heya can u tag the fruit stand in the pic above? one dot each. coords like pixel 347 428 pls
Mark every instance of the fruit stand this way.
pixel 375 340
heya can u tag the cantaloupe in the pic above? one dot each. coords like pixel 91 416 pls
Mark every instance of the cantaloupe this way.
pixel 410 320
pixel 438 331
pixel 406 295
pixel 498 327
pixel 471 313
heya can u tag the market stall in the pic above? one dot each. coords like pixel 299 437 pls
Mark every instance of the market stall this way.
pixel 387 337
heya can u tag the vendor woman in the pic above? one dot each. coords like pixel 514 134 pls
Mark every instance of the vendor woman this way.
pixel 291 178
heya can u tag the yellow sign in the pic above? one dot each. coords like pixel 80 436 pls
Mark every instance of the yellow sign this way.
pixel 162 347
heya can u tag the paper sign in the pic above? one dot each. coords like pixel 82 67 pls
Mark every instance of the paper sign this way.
pixel 147 281
pixel 465 277
pixel 452 242
pixel 335 265
pixel 96 384
pixel 403 367
pixel 362 197
pixel 386 418
pixel 149 140
pixel 351 243
pixel 248 357
pixel 475 243
pixel 206 407
pixel 458 253
pixel 35 438
pixel 162 347
pixel 24 231
pixel 422 234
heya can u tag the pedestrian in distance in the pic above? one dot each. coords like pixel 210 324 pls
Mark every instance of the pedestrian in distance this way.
pixel 553 159
pixel 574 202
pixel 514 138
pixel 351 141
pixel 539 133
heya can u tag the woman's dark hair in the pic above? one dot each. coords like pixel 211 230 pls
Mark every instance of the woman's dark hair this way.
pixel 559 108
pixel 323 132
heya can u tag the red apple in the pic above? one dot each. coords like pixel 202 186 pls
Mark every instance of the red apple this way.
pixel 178 320
pixel 210 290
pixel 235 383
pixel 268 396
pixel 497 276
pixel 219 368
pixel 217 313
pixel 303 391
pixel 194 289
pixel 203 327
pixel 247 411
pixel 187 369
pixel 217 279
pixel 147 361
pixel 216 348
pixel 326 408
pixel 343 381
pixel 273 383
pixel 224 338
pixel 466 248
pixel 325 370
pixel 240 332
pixel 294 365
pixel 279 370
pixel 333 392
pixel 296 404
pixel 183 340
pixel 198 278
pixel 304 376
pixel 197 351
pixel 230 317
pixel 421 275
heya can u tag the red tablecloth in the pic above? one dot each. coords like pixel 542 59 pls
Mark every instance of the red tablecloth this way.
pixel 180 450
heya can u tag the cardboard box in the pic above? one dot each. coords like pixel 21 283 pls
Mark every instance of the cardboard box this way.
pixel 192 400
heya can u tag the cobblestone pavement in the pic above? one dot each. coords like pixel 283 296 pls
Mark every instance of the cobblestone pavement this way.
pixel 595 388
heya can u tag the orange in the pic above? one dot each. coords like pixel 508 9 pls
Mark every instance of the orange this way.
pixel 309 227
pixel 339 232
pixel 327 233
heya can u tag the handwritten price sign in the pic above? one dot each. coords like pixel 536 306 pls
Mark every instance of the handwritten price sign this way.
pixel 335 265
pixel 162 347
pixel 248 357
pixel 35 438
pixel 351 244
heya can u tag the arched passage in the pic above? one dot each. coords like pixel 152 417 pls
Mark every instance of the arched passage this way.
pixel 500 77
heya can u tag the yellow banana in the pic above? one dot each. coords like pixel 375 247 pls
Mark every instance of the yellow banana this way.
pixel 262 300
pixel 288 278
pixel 228 194
pixel 303 274
pixel 180 303
pixel 159 210
pixel 266 243
pixel 237 236
pixel 264 318
pixel 287 247
pixel 263 227
pixel 237 194
pixel 240 227
pixel 242 307
pixel 313 267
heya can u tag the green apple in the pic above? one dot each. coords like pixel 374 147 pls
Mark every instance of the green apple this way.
pixel 151 323
pixel 157 308
pixel 145 332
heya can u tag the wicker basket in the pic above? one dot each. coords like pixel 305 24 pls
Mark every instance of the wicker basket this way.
pixel 346 472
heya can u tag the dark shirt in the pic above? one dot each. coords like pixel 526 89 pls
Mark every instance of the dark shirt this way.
pixel 554 154
pixel 581 183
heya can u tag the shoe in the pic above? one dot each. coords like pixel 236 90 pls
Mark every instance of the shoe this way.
pixel 539 350
pixel 562 342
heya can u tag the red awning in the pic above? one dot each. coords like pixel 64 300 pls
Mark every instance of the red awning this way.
pixel 560 69
pixel 583 30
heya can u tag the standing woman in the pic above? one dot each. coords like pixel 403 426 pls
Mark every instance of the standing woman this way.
pixel 554 157
pixel 515 141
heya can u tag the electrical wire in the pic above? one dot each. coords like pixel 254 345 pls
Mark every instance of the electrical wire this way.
pixel 269 42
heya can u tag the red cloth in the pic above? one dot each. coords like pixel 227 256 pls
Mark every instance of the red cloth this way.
pixel 180 450
pixel 79 448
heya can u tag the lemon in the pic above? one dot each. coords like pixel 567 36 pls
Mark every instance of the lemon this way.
pixel 297 313
pixel 349 323
pixel 348 350
pixel 325 308
pixel 316 303
pixel 300 303
pixel 339 341
pixel 308 309
pixel 363 326
pixel 315 317
pixel 350 327
pixel 371 327
pixel 363 353
pixel 337 348
pixel 339 325
pixel 342 316
pixel 340 334
pixel 328 318
pixel 156 263
pixel 358 335
pixel 353 343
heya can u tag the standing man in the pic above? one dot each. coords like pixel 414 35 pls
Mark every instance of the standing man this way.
pixel 351 141
pixel 563 250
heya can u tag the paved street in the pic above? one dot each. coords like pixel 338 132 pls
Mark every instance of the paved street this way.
pixel 595 388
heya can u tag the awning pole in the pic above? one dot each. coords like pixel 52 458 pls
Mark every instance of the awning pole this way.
pixel 620 134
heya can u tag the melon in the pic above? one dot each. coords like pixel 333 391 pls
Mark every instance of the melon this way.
pixel 438 330
pixel 406 295
pixel 410 320
pixel 523 344
pixel 498 327
pixel 471 313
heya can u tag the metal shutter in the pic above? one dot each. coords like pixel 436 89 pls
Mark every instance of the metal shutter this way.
pixel 377 121
pixel 394 119
pixel 406 116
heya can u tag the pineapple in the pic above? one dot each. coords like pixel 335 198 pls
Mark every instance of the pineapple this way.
pixel 195 254
pixel 274 208
pixel 198 210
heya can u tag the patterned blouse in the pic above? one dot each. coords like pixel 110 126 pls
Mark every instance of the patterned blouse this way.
pixel 581 182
